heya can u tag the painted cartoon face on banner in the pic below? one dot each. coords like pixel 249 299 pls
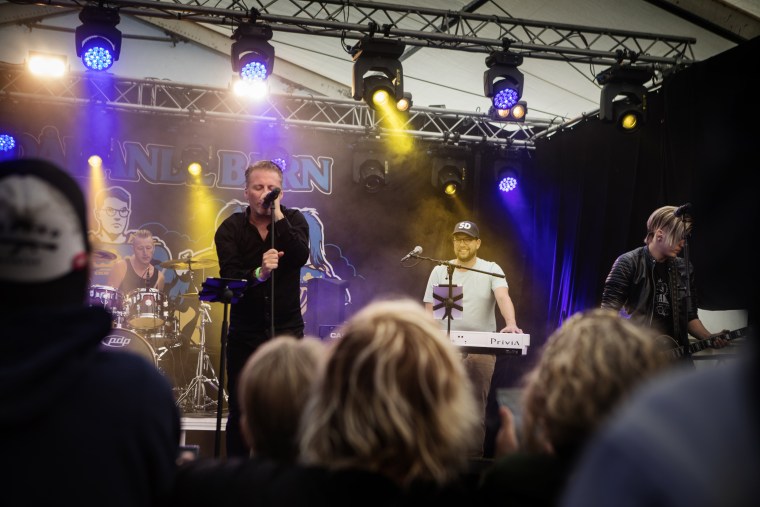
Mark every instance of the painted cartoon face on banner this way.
pixel 143 183
pixel 113 206
pixel 112 210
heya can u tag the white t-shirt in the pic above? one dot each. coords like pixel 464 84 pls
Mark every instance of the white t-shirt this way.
pixel 478 301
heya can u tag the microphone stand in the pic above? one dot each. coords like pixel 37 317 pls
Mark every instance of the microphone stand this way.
pixel 683 335
pixel 271 274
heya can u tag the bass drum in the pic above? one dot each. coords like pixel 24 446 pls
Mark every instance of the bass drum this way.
pixel 124 340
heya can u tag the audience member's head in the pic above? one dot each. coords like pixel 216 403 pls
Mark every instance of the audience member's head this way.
pixel 274 387
pixel 394 399
pixel 587 367
pixel 57 378
pixel 44 250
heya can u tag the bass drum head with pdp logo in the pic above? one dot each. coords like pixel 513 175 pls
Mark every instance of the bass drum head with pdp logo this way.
pixel 124 340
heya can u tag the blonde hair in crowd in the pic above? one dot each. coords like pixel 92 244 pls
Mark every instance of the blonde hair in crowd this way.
pixel 274 387
pixel 586 368
pixel 674 228
pixel 394 399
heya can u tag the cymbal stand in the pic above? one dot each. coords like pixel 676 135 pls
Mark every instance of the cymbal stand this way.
pixel 196 390
pixel 192 282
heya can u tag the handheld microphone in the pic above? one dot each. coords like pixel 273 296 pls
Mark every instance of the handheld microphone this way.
pixel 682 209
pixel 417 250
pixel 270 197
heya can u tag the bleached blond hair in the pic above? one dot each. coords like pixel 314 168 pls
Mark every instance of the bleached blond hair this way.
pixel 673 228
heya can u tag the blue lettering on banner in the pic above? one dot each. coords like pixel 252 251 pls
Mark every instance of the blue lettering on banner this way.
pixel 157 164
pixel 232 166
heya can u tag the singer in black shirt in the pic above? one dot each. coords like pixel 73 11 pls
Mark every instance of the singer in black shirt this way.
pixel 244 247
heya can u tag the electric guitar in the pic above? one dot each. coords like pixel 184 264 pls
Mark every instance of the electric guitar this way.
pixel 681 351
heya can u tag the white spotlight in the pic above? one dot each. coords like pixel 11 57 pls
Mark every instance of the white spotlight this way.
pixel 46 65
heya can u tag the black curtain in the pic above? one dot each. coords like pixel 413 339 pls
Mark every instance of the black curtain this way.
pixel 698 145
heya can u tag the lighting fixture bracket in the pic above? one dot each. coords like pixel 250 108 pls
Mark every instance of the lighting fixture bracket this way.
pixel 378 55
pixel 637 75
pixel 98 22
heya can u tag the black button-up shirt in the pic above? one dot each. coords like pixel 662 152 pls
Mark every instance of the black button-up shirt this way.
pixel 240 249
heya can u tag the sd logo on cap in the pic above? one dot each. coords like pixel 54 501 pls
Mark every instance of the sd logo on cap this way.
pixel 468 228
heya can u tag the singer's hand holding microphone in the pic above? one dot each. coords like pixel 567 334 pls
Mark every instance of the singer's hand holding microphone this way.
pixel 271 197
pixel 269 262
pixel 271 203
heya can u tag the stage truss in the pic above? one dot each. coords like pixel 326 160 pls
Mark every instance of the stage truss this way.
pixel 321 113
pixel 417 27
pixel 422 27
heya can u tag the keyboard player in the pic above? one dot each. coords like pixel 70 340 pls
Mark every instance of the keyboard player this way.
pixel 484 288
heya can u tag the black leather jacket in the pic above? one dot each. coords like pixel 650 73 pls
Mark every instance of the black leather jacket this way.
pixel 630 286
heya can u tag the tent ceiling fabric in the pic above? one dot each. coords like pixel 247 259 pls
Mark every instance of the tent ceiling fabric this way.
pixel 555 90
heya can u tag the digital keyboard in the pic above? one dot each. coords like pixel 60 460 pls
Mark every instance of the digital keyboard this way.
pixel 491 343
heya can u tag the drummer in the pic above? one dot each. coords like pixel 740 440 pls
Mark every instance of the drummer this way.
pixel 137 271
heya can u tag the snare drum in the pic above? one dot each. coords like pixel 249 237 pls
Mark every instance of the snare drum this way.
pixel 146 309
pixel 162 336
pixel 124 340
pixel 109 298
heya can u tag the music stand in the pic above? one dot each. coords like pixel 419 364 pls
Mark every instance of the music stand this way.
pixel 226 291
pixel 448 296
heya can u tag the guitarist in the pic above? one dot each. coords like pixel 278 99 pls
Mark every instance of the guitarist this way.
pixel 650 282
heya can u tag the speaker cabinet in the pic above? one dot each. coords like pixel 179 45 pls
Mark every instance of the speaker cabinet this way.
pixel 325 306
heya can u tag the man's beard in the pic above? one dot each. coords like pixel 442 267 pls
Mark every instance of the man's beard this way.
pixel 465 257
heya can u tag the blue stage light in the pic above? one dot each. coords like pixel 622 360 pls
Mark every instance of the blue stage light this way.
pixel 7 143
pixel 504 98
pixel 251 55
pixel 98 41
pixel 503 82
pixel 97 54
pixel 507 182
pixel 254 71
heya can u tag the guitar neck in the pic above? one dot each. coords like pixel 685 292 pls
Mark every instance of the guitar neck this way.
pixel 703 344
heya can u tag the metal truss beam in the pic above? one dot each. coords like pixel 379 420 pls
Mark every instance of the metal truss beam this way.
pixel 423 27
pixel 321 113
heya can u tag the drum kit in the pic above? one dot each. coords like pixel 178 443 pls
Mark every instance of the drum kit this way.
pixel 144 322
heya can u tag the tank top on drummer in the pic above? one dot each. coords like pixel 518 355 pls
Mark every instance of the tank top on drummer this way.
pixel 133 280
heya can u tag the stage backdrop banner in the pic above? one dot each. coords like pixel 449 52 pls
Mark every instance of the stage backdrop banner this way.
pixel 356 238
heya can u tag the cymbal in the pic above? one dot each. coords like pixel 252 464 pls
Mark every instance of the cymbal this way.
pixel 104 255
pixel 189 295
pixel 189 263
